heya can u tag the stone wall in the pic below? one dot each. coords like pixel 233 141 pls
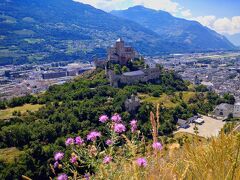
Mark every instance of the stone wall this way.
pixel 148 75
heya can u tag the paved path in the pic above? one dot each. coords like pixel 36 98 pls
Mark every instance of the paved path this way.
pixel 210 128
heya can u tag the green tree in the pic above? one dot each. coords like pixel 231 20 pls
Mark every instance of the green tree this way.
pixel 125 69
pixel 156 93
pixel 229 98
pixel 117 69
pixel 2 105
pixel 230 116
pixel 201 88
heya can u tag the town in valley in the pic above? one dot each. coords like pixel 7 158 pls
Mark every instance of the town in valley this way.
pixel 217 71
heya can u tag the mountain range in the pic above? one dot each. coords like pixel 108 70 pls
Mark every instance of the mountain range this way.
pixel 58 30
pixel 189 35
pixel 235 39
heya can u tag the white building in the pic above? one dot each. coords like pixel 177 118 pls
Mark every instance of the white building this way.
pixel 236 110
pixel 223 110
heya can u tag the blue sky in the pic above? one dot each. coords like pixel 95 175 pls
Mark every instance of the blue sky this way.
pixel 219 8
pixel 222 16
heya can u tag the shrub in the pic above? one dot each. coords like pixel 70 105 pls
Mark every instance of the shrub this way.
pixel 90 156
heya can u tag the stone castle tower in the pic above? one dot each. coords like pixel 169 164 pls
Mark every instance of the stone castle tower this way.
pixel 120 54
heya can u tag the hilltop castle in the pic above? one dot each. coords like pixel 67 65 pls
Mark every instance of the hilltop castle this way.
pixel 122 55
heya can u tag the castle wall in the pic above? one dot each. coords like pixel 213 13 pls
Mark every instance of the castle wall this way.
pixel 149 74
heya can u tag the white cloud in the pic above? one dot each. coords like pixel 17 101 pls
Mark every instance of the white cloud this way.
pixel 227 26
pixel 221 25
pixel 186 13
pixel 166 5
pixel 108 5
pixel 205 20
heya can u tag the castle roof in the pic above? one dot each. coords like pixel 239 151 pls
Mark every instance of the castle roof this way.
pixel 134 73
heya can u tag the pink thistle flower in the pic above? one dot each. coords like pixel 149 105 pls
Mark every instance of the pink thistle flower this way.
pixel 69 141
pixel 58 156
pixel 119 128
pixel 103 118
pixel 107 159
pixel 87 176
pixel 109 142
pixel 141 162
pixel 73 159
pixel 62 177
pixel 133 124
pixel 79 141
pixel 157 146
pixel 55 165
pixel 116 118
pixel 92 136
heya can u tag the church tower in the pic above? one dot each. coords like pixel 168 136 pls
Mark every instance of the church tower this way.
pixel 120 46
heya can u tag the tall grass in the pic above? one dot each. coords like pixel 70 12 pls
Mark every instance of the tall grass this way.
pixel 218 158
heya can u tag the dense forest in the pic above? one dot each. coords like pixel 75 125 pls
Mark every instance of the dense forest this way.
pixel 73 109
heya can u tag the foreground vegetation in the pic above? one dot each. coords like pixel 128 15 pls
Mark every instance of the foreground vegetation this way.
pixel 218 158
pixel 134 158
pixel 72 110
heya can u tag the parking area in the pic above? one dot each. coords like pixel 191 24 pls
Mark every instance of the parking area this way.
pixel 209 128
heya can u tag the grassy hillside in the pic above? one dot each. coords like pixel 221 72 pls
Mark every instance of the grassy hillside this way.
pixel 169 101
pixel 8 113
pixel 9 155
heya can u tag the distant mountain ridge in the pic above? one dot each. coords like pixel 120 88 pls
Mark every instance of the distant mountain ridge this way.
pixel 235 39
pixel 188 34
pixel 53 30
pixel 57 30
